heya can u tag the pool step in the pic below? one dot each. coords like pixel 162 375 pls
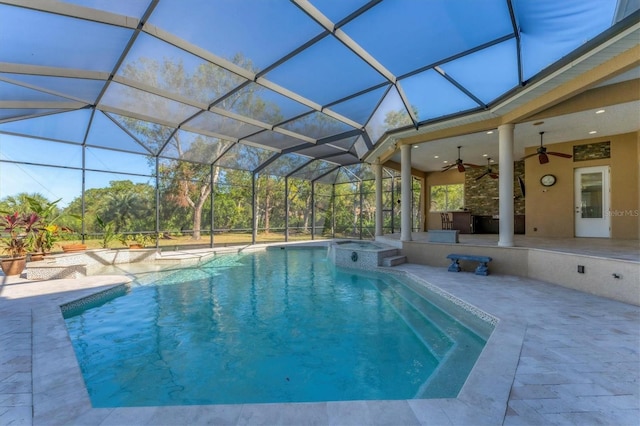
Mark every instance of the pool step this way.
pixel 431 325
pixel 394 260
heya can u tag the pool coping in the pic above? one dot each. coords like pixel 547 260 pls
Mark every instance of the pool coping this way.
pixel 60 396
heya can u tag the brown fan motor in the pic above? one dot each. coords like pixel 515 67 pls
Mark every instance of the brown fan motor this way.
pixel 543 154
pixel 459 163
pixel 489 172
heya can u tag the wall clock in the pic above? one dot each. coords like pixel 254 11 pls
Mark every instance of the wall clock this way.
pixel 548 180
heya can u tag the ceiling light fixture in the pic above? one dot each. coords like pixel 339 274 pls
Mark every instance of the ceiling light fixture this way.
pixel 485 155
pixel 436 156
pixel 593 132
pixel 490 132
pixel 600 111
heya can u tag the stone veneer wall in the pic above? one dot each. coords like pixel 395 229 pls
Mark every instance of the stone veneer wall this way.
pixel 592 151
pixel 481 196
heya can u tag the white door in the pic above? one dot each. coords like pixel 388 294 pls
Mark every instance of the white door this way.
pixel 592 202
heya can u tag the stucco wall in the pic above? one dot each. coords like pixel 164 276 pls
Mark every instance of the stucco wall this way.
pixel 550 211
pixel 611 278
pixel 508 261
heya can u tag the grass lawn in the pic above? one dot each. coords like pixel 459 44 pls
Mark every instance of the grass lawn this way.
pixel 185 241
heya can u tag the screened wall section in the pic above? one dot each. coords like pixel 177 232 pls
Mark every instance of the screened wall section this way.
pixel 173 202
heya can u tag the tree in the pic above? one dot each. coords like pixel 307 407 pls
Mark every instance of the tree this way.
pixel 130 206
pixel 233 200
pixel 187 183
pixel 20 202
pixel 399 118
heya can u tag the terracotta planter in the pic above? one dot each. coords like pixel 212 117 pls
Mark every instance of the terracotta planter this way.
pixel 135 246
pixel 14 265
pixel 35 257
pixel 71 248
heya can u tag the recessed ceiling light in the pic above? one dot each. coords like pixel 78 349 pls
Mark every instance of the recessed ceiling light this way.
pixel 445 161
pixel 485 155
pixel 492 160
pixel 490 132
pixel 436 156
pixel 593 132
pixel 600 111
pixel 415 146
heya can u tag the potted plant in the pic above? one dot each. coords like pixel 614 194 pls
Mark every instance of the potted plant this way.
pixel 42 239
pixel 15 243
pixel 44 232
pixel 73 247
pixel 108 232
pixel 137 241
pixel 126 240
pixel 146 240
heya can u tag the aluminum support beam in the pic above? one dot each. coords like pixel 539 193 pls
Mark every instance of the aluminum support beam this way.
pixel 254 211
pixel 406 192
pixel 377 168
pixel 313 210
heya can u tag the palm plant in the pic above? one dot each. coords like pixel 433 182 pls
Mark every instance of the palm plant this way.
pixel 109 233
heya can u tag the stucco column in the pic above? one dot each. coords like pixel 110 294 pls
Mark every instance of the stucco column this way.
pixel 377 168
pixel 405 189
pixel 505 153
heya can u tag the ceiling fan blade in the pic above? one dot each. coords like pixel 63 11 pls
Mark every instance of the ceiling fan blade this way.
pixel 472 165
pixel 461 168
pixel 560 154
pixel 445 168
pixel 482 175
pixel 544 159
pixel 529 155
pixel 493 175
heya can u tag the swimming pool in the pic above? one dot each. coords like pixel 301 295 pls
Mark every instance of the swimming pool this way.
pixel 276 326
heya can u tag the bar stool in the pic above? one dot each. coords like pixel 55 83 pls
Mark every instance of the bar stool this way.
pixel 447 221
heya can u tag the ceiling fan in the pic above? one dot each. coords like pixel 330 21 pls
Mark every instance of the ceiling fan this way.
pixel 459 163
pixel 543 155
pixel 489 172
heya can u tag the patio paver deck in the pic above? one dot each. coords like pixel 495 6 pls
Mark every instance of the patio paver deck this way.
pixel 579 363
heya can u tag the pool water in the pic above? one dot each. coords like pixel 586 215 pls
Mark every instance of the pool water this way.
pixel 267 327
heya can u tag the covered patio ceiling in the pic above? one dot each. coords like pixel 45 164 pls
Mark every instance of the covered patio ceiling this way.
pixel 277 85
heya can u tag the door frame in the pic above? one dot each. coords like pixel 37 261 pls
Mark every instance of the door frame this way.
pixel 604 230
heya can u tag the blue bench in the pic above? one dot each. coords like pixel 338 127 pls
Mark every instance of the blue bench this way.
pixel 482 269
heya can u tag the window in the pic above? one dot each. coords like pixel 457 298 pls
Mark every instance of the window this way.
pixel 447 197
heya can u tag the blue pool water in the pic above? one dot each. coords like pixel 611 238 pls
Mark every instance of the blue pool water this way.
pixel 274 326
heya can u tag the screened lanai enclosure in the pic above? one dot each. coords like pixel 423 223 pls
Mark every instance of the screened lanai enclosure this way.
pixel 244 198
pixel 243 121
